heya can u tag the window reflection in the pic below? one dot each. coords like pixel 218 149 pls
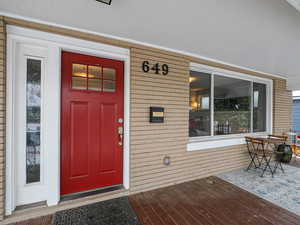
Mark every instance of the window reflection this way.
pixel 79 70
pixel 259 107
pixel 79 83
pixel 95 71
pixel 232 98
pixel 109 73
pixel 199 116
pixel 95 84
pixel 33 120
pixel 109 86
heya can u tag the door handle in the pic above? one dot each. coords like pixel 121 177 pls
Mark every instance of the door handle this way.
pixel 120 132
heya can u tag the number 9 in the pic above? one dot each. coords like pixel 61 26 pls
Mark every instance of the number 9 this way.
pixel 165 69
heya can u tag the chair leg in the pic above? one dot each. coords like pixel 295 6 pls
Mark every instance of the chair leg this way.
pixel 264 170
pixel 270 166
pixel 281 167
pixel 255 157
pixel 259 162
pixel 267 161
pixel 251 163
pixel 248 168
pixel 275 167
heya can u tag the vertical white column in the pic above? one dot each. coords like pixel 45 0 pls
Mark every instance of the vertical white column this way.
pixel 52 124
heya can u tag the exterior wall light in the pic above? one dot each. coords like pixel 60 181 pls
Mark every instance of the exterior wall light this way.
pixel 108 2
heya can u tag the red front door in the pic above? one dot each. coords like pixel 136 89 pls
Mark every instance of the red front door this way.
pixel 92 123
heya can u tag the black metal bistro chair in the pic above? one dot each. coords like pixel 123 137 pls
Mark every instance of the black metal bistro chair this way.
pixel 277 141
pixel 252 147
pixel 260 155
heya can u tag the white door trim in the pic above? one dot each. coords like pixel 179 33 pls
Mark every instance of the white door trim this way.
pixel 33 192
pixel 55 45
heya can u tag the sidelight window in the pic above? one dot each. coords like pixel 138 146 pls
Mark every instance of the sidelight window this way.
pixel 33 120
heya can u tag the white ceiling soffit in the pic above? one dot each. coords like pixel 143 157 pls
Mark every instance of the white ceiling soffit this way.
pixel 295 3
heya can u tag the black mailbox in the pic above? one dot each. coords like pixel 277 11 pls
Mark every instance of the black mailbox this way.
pixel 156 115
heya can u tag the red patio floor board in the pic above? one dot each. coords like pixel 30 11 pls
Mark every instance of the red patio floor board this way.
pixel 239 212
pixel 144 212
pixel 211 201
pixel 205 210
pixel 193 216
pixel 171 209
pixel 201 202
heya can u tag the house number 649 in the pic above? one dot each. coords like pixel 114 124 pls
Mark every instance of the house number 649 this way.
pixel 156 67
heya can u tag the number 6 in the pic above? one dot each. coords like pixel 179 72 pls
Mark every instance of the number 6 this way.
pixel 145 66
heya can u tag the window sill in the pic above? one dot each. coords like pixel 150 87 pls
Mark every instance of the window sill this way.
pixel 218 142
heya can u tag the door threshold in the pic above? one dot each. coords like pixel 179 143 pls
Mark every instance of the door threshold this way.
pixel 31 206
pixel 83 194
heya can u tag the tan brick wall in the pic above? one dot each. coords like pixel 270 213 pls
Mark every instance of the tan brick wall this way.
pixel 2 114
pixel 151 142
pixel 282 107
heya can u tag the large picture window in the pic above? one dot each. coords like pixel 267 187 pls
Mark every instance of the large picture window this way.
pixel 226 105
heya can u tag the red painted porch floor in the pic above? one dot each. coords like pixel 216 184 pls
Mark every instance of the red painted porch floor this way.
pixel 209 201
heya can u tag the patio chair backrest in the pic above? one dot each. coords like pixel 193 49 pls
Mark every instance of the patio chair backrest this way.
pixel 279 137
pixel 254 144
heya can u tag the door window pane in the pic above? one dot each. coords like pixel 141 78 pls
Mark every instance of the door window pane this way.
pixel 199 115
pixel 79 76
pixel 109 73
pixel 232 98
pixel 79 83
pixel 33 120
pixel 259 107
pixel 79 70
pixel 95 72
pixel 95 84
pixel 109 85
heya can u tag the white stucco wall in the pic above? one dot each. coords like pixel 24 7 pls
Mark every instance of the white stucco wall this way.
pixel 260 34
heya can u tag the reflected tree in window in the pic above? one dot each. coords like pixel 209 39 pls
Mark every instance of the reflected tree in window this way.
pixel 199 116
pixel 232 106
pixel 33 120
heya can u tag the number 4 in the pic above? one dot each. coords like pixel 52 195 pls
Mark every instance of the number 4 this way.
pixel 156 68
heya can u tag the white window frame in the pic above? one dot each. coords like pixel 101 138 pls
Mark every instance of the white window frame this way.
pixel 208 142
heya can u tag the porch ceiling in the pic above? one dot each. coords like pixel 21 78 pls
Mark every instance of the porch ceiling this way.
pixel 262 35
pixel 295 3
